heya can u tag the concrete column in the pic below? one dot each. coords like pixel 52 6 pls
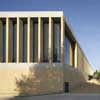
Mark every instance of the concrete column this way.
pixel 71 55
pixel 18 40
pixel 7 40
pixel 62 38
pixel 10 41
pixel 75 55
pixel 50 40
pixel 40 40
pixel 0 41
pixel 28 39
pixel 31 40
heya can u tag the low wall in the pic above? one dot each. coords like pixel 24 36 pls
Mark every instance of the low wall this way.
pixel 73 76
pixel 8 75
pixel 83 64
pixel 32 79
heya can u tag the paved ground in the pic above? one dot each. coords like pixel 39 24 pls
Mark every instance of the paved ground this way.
pixel 59 97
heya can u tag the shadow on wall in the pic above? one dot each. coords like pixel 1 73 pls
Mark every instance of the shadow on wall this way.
pixel 42 79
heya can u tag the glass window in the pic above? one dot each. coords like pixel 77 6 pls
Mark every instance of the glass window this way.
pixel 14 41
pixel 56 42
pixel 35 41
pixel 72 50
pixel 45 42
pixel 24 36
pixel 4 41
pixel 67 50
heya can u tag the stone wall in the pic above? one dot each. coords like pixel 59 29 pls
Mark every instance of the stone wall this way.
pixel 30 79
pixel 83 64
pixel 73 76
pixel 33 79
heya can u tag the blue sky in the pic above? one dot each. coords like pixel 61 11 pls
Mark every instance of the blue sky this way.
pixel 84 16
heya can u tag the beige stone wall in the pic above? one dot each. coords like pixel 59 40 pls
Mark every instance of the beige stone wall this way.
pixel 31 79
pixel 23 79
pixel 73 76
pixel 83 64
pixel 8 75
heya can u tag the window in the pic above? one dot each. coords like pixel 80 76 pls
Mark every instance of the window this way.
pixel 45 40
pixel 67 50
pixel 56 41
pixel 14 36
pixel 4 41
pixel 35 40
pixel 24 41
pixel 73 54
pixel 69 46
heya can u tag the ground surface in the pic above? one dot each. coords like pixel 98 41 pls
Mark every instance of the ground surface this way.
pixel 59 97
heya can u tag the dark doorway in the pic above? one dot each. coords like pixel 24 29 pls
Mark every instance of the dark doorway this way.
pixel 66 87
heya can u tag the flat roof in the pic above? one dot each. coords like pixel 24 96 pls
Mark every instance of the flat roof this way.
pixel 31 13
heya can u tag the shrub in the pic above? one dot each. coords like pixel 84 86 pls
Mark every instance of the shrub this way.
pixel 96 74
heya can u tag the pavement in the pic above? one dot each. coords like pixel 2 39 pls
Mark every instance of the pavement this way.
pixel 57 97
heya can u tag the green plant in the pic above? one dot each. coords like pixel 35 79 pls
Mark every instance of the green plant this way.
pixel 97 74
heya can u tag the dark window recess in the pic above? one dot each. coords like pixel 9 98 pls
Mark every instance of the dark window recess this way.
pixel 66 87
pixel 35 42
pixel 4 42
pixel 14 43
pixel 45 42
pixel 67 50
pixel 24 41
pixel 56 42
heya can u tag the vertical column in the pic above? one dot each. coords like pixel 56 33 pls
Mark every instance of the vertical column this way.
pixel 31 40
pixel 28 39
pixel 40 40
pixel 71 55
pixel 10 38
pixel 62 38
pixel 1 58
pixel 50 40
pixel 75 55
pixel 17 40
pixel 7 39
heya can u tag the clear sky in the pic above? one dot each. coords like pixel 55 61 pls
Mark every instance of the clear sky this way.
pixel 84 16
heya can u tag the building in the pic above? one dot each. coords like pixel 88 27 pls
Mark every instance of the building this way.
pixel 43 39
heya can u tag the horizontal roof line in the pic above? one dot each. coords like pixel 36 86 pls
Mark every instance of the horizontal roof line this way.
pixel 31 13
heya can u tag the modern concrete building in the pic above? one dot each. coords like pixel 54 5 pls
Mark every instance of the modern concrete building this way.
pixel 44 41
